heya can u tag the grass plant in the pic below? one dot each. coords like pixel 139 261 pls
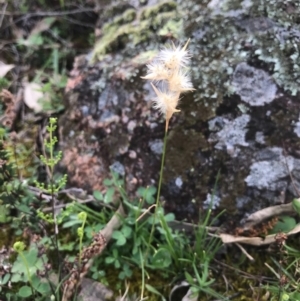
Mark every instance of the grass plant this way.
pixel 168 70
pixel 286 271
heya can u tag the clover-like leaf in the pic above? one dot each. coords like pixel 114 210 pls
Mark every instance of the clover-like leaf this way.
pixel 119 237
pixel 284 224
pixel 25 291
pixel 98 195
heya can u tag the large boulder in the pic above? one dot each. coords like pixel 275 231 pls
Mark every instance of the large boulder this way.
pixel 241 122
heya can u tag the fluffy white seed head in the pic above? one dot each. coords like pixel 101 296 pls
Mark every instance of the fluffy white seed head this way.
pixel 180 82
pixel 174 58
pixel 157 72
pixel 168 69
pixel 165 102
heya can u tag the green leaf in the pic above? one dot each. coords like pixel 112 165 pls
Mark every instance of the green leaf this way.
pixel 189 278
pixel 115 253
pixel 126 231
pixel 71 223
pixel 35 281
pixel 25 291
pixel 109 195
pixel 153 290
pixel 4 214
pixel 24 208
pixel 141 191
pixel 162 258
pixel 5 279
pixel 147 194
pixel 109 260
pixel 119 237
pixel 169 217
pixel 284 224
pixel 98 195
pixel 122 275
pixel 296 205
pixel 16 278
pixel 295 296
pixel 108 182
pixel 117 264
pixel 151 190
pixel 31 256
pixel 44 288
pixel 121 241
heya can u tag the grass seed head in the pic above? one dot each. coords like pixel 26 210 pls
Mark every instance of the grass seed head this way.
pixel 168 68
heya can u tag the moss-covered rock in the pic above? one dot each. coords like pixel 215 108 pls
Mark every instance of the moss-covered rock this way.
pixel 133 27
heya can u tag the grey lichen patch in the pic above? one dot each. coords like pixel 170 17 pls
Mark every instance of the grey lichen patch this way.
pixel 228 7
pixel 253 85
pixel 272 171
pixel 239 31
pixel 232 133
pixel 279 46
pixel 281 53
pixel 178 182
pixel 118 168
pixel 260 138
pixel 156 146
pixel 297 128
pixel 212 201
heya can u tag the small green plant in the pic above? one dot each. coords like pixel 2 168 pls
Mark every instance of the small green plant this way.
pixel 25 269
pixel 202 282
pixel 50 162
pixel 287 286
pixel 80 231
pixel 19 248
pixel 29 264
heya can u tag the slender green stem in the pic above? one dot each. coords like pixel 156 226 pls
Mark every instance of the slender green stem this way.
pixel 80 242
pixel 27 268
pixel 158 192
pixel 143 276
pixel 51 165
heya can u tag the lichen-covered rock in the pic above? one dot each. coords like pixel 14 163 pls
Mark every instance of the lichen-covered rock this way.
pixel 231 135
pixel 241 122
pixel 254 86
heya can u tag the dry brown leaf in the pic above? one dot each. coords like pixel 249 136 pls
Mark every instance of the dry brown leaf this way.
pixel 4 68
pixel 32 96
pixel 266 213
pixel 254 241
pixel 42 25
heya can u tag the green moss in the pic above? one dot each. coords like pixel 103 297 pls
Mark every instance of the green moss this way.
pixel 128 16
pixel 155 279
pixel 129 29
pixel 172 26
pixel 153 11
